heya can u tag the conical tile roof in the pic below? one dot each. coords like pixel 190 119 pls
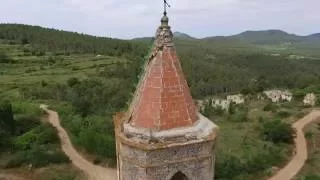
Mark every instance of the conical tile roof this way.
pixel 162 100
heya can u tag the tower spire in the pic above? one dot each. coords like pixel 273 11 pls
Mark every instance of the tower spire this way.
pixel 163 134
pixel 163 100
pixel 165 3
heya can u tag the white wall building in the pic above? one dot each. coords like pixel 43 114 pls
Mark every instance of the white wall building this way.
pixel 224 104
pixel 237 98
pixel 310 99
pixel 277 95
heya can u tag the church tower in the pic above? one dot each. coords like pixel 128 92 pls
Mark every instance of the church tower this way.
pixel 163 136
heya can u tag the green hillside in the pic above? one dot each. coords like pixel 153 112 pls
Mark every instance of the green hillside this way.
pixel 89 79
pixel 212 65
pixel 184 36
pixel 268 37
pixel 278 41
pixel 57 41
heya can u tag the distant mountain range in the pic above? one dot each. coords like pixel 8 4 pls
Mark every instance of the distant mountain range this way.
pixel 254 37
pixel 314 36
pixel 181 35
pixel 274 40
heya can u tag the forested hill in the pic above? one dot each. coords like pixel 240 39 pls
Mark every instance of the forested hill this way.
pixel 273 37
pixel 212 66
pixel 268 37
pixel 45 39
pixel 181 35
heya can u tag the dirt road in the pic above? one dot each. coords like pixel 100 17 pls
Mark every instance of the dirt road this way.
pixel 295 165
pixel 9 177
pixel 100 173
pixel 93 172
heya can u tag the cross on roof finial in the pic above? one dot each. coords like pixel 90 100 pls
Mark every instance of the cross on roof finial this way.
pixel 165 7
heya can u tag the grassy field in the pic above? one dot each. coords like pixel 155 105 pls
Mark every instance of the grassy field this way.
pixel 240 140
pixel 52 172
pixel 26 71
pixel 311 170
pixel 243 139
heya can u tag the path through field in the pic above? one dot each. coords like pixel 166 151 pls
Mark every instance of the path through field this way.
pixel 9 177
pixel 295 165
pixel 93 172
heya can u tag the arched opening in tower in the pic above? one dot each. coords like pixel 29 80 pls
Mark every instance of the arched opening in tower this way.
pixel 179 176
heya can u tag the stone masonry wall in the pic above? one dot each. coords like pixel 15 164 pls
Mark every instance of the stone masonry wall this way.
pixel 196 161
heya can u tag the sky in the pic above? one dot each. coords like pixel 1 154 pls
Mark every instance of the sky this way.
pixel 127 19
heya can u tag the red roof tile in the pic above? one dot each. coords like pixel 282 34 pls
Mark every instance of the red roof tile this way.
pixel 163 99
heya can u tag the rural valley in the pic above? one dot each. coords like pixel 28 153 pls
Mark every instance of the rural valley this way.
pixel 254 86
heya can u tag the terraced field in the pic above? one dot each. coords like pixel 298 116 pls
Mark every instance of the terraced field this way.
pixel 26 70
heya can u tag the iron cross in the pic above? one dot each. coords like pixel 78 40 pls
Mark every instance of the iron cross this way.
pixel 165 6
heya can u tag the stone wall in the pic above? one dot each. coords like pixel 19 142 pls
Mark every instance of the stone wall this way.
pixel 196 161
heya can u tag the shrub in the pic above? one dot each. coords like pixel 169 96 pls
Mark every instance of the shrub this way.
pixel 232 108
pixel 277 131
pixel 40 53
pixel 25 123
pixel 38 157
pixel 228 166
pixel 299 94
pixel 26 141
pixel 7 123
pixel 241 116
pixel 97 161
pixel 283 114
pixel 51 60
pixel 26 108
pixel 30 70
pixel 16 161
pixel 41 135
pixel 26 50
pixel 270 107
pixel 75 68
pixel 101 144
pixel 73 81
pixel 312 177
pixel 218 111
pixel 318 100
pixel 24 40
pixel 232 167
pixel 44 83
pixel 4 58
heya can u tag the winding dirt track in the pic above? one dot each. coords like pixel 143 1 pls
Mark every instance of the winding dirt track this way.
pixel 93 172
pixel 295 165
pixel 9 177
pixel 100 173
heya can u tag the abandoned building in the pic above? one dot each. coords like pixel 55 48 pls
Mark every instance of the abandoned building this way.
pixel 221 103
pixel 310 99
pixel 163 136
pixel 278 95
pixel 237 98
pixel 224 104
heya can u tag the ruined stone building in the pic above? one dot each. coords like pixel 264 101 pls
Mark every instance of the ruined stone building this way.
pixel 163 136
pixel 237 98
pixel 221 103
pixel 278 95
pixel 310 99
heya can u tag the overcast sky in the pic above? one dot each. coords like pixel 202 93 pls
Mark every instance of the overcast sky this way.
pixel 139 18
